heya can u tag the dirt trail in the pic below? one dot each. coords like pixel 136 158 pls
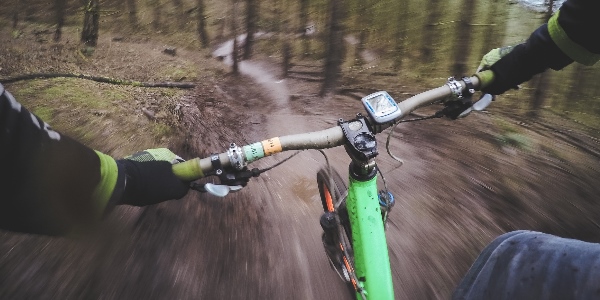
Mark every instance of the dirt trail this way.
pixel 451 193
pixel 458 189
pixel 292 195
pixel 290 190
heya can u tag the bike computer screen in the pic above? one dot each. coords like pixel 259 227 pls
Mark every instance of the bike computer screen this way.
pixel 381 107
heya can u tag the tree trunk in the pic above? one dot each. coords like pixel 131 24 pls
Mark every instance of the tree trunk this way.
pixel 400 34
pixel 539 94
pixel 234 53
pixel 463 44
pixel 156 12
pixel 363 24
pixel 286 49
pixel 335 47
pixel 495 33
pixel 132 14
pixel 429 32
pixel 276 24
pixel 221 31
pixel 287 58
pixel 576 89
pixel 251 18
pixel 91 20
pixel 542 86
pixel 181 18
pixel 59 7
pixel 18 6
pixel 303 25
pixel 202 25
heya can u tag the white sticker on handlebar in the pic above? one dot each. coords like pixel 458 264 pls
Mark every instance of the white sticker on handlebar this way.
pixel 272 146
pixel 254 152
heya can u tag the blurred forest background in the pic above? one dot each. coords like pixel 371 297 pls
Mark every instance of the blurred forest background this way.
pixel 352 40
pixel 530 162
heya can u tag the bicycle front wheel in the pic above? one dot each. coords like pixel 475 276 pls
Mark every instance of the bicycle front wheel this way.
pixel 331 188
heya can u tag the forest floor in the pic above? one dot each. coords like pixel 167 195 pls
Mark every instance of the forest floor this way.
pixel 462 184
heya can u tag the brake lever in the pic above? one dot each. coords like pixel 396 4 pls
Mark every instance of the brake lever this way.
pixel 219 190
pixel 480 105
pixel 483 102
pixel 231 182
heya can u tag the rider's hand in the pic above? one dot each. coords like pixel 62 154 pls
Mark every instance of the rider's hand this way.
pixel 150 177
pixel 486 76
pixel 492 57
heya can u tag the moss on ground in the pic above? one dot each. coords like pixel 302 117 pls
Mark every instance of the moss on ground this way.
pixel 102 116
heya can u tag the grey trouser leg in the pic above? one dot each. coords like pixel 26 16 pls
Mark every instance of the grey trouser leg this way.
pixel 533 265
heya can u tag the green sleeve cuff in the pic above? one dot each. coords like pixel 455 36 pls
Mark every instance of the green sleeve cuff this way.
pixel 485 78
pixel 566 45
pixel 188 170
pixel 108 179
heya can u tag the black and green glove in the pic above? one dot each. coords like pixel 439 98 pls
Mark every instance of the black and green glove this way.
pixel 484 72
pixel 150 179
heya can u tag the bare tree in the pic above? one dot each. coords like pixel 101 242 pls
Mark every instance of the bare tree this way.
pixel 178 4
pixel 202 24
pixel 59 9
pixel 234 52
pixel 18 6
pixel 91 21
pixel 577 85
pixel 462 47
pixel 286 48
pixel 157 12
pixel 497 29
pixel 303 24
pixel 363 22
pixel 23 8
pixel 132 7
pixel 335 46
pixel 251 19
pixel 400 33
pixel 429 33
pixel 542 82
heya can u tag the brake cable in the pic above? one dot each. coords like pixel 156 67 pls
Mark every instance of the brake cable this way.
pixel 279 163
pixel 387 142
pixel 236 178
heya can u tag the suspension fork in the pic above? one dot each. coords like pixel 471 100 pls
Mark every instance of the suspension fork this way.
pixel 371 258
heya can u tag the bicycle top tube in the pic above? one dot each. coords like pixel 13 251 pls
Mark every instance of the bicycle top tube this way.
pixel 237 157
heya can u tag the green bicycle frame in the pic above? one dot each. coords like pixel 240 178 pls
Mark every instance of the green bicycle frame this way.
pixel 371 259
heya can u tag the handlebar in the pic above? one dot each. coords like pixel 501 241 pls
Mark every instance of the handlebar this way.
pixel 238 157
pixel 434 95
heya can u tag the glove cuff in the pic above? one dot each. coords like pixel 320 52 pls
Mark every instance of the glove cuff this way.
pixel 151 182
pixel 485 78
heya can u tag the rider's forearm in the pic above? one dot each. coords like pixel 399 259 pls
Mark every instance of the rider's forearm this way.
pixel 49 180
pixel 534 56
pixel 569 36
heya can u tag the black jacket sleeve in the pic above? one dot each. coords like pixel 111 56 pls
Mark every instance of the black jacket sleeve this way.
pixel 578 19
pixel 46 178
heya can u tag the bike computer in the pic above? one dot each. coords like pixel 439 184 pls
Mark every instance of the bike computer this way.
pixel 381 107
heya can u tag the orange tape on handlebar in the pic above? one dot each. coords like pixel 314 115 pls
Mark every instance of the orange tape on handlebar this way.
pixel 272 146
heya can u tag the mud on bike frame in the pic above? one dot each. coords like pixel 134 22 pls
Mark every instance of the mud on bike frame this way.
pixel 366 255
